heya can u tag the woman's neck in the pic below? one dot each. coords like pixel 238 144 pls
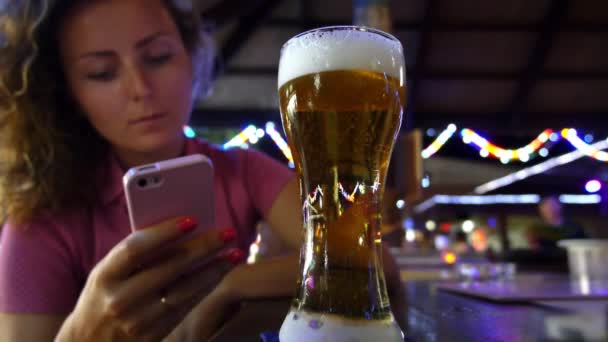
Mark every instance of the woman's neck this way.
pixel 129 158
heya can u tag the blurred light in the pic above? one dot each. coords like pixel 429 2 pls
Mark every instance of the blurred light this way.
pixel 449 258
pixel 410 235
pixel 189 132
pixel 254 249
pixel 279 141
pixel 479 240
pixel 593 186
pixel 439 142
pixel 580 199
pixel 484 153
pixel 505 155
pixel 554 137
pixel 431 132
pixel 588 150
pixel 253 139
pixel 430 225
pixel 408 223
pixel 400 204
pixel 476 200
pixel 260 133
pixel 537 169
pixel 291 164
pixel 588 138
pixel 544 152
pixel 492 222
pixel 445 227
pixel 441 242
pixel 240 139
pixel 468 226
pixel 426 182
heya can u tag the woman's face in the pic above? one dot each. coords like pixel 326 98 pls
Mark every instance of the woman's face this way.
pixel 129 71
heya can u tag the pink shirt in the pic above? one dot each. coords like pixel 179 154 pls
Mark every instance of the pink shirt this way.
pixel 44 267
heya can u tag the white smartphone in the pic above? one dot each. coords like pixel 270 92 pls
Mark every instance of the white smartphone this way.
pixel 176 187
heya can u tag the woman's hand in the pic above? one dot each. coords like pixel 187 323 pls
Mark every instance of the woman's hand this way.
pixel 146 284
pixel 208 315
pixel 269 278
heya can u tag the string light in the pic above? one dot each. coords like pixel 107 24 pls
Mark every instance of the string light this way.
pixel 501 199
pixel 571 135
pixel 252 134
pixel 439 142
pixel 505 155
pixel 537 169
pixel 278 139
pixel 246 134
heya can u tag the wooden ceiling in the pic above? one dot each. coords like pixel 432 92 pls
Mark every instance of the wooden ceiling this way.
pixel 503 66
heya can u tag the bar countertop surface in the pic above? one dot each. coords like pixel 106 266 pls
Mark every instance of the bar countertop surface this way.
pixel 436 315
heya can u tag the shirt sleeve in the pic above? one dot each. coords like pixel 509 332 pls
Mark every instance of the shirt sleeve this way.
pixel 38 275
pixel 265 178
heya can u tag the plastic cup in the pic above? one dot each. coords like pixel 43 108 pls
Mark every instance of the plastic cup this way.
pixel 587 258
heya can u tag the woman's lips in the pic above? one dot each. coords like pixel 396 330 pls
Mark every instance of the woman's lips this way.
pixel 147 119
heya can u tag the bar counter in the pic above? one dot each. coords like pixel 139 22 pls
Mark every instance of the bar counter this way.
pixel 436 315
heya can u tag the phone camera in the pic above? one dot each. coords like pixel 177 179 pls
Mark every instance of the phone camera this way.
pixel 142 182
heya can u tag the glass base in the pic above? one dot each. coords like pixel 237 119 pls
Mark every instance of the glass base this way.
pixel 301 326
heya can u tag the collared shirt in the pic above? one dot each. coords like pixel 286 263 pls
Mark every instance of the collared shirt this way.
pixel 44 266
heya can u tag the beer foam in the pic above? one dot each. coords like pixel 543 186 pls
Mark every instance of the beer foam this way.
pixel 329 50
pixel 316 327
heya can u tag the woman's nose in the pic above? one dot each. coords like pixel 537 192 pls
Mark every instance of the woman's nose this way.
pixel 139 85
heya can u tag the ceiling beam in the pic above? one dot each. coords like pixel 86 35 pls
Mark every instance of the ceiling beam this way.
pixel 234 117
pixel 535 122
pixel 452 75
pixel 422 53
pixel 548 30
pixel 246 27
pixel 401 25
pixel 226 10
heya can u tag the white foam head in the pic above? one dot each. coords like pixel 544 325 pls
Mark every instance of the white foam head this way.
pixel 341 48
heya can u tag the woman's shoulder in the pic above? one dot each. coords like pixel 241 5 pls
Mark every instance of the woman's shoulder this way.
pixel 64 223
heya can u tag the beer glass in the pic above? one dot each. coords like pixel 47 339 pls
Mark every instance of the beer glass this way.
pixel 342 93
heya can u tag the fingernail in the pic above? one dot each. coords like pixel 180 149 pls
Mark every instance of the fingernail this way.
pixel 227 235
pixel 234 255
pixel 186 224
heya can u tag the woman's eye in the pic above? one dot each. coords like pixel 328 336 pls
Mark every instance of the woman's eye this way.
pixel 101 76
pixel 158 59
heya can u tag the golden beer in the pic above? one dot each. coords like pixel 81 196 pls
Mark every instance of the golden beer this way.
pixel 341 122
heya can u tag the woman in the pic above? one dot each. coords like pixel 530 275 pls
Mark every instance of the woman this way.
pixel 89 89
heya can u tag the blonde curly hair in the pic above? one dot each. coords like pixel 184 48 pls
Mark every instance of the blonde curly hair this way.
pixel 49 153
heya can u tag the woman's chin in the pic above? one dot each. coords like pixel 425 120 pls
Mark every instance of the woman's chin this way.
pixel 165 146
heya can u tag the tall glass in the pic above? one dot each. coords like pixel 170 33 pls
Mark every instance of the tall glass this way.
pixel 342 93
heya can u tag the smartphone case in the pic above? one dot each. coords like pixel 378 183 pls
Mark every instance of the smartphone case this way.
pixel 177 187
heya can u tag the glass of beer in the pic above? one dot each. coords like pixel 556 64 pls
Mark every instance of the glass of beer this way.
pixel 342 94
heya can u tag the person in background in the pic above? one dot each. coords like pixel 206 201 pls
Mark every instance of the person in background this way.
pixel 89 89
pixel 554 226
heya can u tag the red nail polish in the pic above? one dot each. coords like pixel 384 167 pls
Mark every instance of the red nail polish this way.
pixel 234 255
pixel 227 235
pixel 186 224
